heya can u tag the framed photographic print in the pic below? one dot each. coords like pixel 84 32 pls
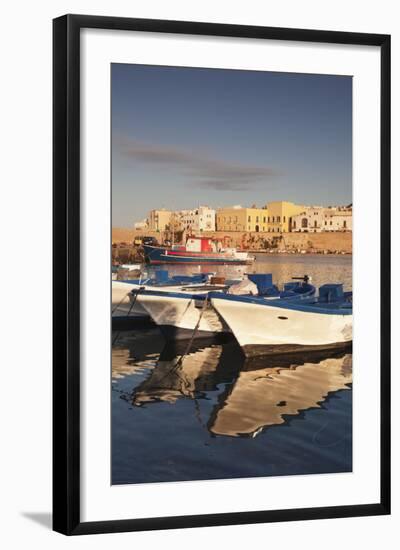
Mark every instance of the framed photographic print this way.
pixel 221 206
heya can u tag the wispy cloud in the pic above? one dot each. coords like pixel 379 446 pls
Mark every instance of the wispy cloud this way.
pixel 204 171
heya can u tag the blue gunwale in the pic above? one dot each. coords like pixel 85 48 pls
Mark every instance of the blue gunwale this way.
pixel 171 294
pixel 307 305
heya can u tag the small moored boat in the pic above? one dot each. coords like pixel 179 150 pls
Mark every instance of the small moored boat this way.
pixel 121 303
pixel 264 326
pixel 183 312
pixel 186 312
pixel 198 250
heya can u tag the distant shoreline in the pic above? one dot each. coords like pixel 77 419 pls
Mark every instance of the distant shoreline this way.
pixel 275 244
pixel 306 253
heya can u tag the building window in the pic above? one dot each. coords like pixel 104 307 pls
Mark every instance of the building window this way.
pixel 273 219
pixel 278 219
pixel 344 224
pixel 330 223
pixel 294 225
pixel 284 219
pixel 264 219
pixel 256 219
pixel 249 228
pixel 269 219
pixel 315 223
pixel 326 223
pixel 249 219
pixel 304 223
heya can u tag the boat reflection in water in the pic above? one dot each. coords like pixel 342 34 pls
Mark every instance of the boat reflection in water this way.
pixel 251 394
pixel 131 356
pixel 190 375
pixel 269 395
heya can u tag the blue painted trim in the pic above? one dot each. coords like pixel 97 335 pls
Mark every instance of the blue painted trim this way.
pixel 311 306
pixel 171 294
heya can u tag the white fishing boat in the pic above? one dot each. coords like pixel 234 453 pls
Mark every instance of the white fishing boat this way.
pixel 180 312
pixel 187 312
pixel 122 303
pixel 264 326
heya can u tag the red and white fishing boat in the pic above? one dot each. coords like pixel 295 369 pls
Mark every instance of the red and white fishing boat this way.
pixel 198 250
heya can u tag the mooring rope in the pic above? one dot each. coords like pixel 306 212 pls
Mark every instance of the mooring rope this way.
pixel 188 347
pixel 119 303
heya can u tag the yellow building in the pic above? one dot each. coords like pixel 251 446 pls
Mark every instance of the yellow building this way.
pixel 159 219
pixel 280 214
pixel 237 218
pixel 276 217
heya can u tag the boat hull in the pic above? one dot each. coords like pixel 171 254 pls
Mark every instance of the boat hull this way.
pixel 255 350
pixel 158 256
pixel 268 328
pixel 120 301
pixel 178 315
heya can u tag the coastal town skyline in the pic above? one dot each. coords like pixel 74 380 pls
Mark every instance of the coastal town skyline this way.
pixel 276 217
pixel 183 136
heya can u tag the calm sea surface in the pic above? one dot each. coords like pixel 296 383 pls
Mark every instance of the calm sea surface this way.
pixel 212 414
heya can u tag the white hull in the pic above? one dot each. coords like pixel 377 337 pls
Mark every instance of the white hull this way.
pixel 260 327
pixel 182 314
pixel 120 302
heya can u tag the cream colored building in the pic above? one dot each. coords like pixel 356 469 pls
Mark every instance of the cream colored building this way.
pixel 199 219
pixel 316 219
pixel 159 220
pixel 143 225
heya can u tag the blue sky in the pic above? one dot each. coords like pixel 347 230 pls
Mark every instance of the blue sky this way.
pixel 183 137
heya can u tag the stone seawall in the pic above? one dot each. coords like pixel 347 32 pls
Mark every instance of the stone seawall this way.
pixel 335 242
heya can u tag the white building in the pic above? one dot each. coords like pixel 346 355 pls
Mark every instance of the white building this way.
pixel 141 225
pixel 200 219
pixel 315 219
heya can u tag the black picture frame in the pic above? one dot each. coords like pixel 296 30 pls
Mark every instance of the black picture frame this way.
pixel 66 275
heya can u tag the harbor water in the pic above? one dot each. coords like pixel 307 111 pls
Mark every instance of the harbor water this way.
pixel 209 413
